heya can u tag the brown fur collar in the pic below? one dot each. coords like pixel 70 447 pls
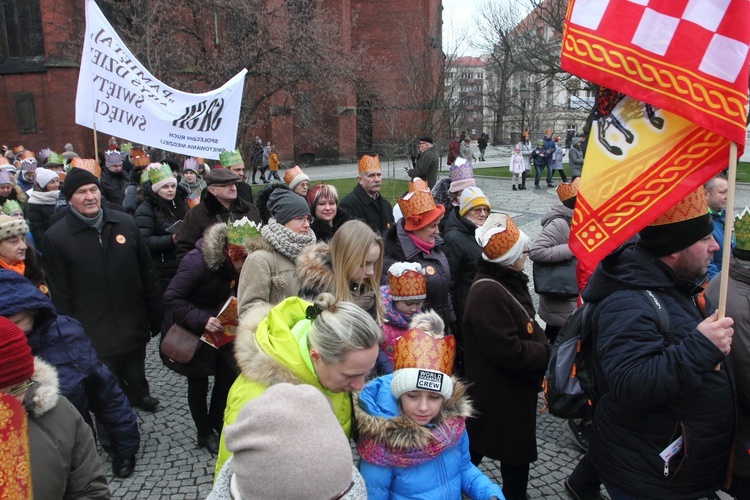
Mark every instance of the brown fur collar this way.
pixel 212 247
pixel 314 271
pixel 253 362
pixel 401 432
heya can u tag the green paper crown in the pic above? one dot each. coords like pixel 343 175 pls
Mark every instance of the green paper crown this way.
pixel 241 230
pixel 55 159
pixel 158 174
pixel 11 206
pixel 229 158
pixel 742 230
pixel 126 147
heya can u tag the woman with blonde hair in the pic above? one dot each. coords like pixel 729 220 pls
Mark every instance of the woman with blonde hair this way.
pixel 349 267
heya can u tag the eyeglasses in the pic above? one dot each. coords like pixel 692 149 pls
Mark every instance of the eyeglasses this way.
pixel 480 209
pixel 304 218
pixel 20 390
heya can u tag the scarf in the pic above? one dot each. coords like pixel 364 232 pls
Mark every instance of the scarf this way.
pixel 20 268
pixel 44 197
pixel 444 435
pixel 422 245
pixel 393 316
pixel 96 222
pixel 284 240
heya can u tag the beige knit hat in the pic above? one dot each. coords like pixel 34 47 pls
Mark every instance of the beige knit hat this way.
pixel 287 443
pixel 12 226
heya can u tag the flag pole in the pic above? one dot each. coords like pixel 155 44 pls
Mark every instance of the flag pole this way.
pixel 728 225
pixel 96 147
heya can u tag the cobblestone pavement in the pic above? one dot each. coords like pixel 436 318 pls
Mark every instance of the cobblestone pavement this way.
pixel 170 465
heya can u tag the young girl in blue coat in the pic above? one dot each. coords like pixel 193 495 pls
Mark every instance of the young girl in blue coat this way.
pixel 413 442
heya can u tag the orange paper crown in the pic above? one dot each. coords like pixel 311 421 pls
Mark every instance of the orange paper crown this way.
pixel 4 161
pixel 27 155
pixel 499 243
pixel 417 349
pixel 18 149
pixel 418 185
pixel 291 173
pixel 415 203
pixel 567 190
pixel 691 206
pixel 368 163
pixel 139 158
pixel 87 164
pixel 408 284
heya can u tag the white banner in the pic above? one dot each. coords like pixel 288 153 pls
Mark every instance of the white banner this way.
pixel 121 98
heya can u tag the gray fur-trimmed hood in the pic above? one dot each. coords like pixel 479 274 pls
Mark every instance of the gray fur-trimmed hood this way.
pixel 43 396
pixel 313 270
pixel 253 362
pixel 401 432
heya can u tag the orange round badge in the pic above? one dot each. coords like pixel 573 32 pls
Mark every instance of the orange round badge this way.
pixel 43 288
pixel 120 239
pixel 429 270
pixel 529 328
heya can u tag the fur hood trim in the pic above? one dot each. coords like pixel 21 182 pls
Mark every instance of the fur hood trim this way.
pixel 254 244
pixel 253 362
pixel 212 248
pixel 403 433
pixel 44 394
pixel 314 271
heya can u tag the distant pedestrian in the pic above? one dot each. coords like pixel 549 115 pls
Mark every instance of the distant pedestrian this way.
pixel 482 144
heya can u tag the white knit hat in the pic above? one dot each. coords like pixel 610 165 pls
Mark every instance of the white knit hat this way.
pixel 44 176
pixel 12 226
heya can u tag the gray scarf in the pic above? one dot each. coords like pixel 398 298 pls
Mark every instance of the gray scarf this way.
pixel 97 222
pixel 284 240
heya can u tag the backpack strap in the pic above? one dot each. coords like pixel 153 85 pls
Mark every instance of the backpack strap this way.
pixel 507 292
pixel 661 313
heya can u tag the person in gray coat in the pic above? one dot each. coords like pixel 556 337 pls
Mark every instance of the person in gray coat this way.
pixel 575 160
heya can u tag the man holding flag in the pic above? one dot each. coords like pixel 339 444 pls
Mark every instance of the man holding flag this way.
pixel 674 78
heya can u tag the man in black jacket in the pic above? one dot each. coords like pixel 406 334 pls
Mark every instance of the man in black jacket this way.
pixel 427 162
pixel 220 203
pixel 100 272
pixel 365 201
pixel 664 421
pixel 114 180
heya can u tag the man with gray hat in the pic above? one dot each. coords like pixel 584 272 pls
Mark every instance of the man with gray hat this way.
pixel 219 204
pixel 100 272
pixel 427 162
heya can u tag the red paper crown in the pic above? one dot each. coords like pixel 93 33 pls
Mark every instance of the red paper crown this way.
pixel 411 285
pixel 415 203
pixel 691 206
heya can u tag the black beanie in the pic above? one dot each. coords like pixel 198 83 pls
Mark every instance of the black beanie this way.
pixel 665 239
pixel 76 178
pixel 285 205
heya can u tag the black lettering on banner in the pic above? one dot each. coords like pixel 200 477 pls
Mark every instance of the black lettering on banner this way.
pixel 201 117
pixel 429 381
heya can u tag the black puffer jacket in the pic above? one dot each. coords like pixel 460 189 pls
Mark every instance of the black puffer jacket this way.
pixel 323 231
pixel 153 217
pixel 656 387
pixel 114 185
pixel 462 251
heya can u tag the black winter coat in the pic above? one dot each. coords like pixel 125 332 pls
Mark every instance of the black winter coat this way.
pixel 205 279
pixel 462 251
pixel 400 248
pixel 107 282
pixel 84 380
pixel 377 213
pixel 153 217
pixel 656 387
pixel 39 221
pixel 505 357
pixel 323 231
pixel 114 185
pixel 207 213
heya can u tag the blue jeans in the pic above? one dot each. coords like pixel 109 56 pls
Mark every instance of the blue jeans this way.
pixel 538 174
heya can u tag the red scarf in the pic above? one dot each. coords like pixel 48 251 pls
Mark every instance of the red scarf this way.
pixel 422 245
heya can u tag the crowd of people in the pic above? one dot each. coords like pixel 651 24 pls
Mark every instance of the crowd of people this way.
pixel 409 328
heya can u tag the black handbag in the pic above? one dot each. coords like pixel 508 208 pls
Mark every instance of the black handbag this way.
pixel 180 344
pixel 556 279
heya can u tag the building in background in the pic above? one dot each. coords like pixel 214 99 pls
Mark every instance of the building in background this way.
pixel 395 96
pixel 466 94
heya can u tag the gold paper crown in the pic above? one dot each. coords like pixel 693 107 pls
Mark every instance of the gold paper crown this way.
pixel 418 185
pixel 27 155
pixel 291 173
pixel 408 285
pixel 691 206
pixel 368 163
pixel 139 158
pixel 567 190
pixel 18 149
pixel 417 349
pixel 229 158
pixel 87 164
pixel 415 203
pixel 241 230
pixel 500 243
pixel 742 230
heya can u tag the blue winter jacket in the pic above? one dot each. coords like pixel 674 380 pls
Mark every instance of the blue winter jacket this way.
pixel 84 380
pixel 444 477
